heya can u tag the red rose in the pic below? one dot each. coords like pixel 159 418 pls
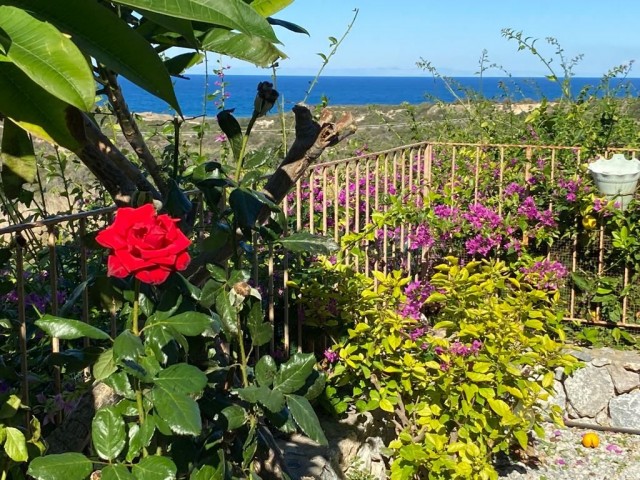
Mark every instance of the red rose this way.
pixel 144 244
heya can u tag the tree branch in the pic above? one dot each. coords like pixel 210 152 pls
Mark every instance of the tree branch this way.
pixel 130 128
pixel 120 177
pixel 312 138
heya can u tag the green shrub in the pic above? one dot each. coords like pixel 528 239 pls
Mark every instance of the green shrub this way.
pixel 463 386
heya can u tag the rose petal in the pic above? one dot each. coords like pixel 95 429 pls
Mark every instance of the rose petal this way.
pixel 182 261
pixel 153 276
pixel 110 238
pixel 132 261
pixel 115 267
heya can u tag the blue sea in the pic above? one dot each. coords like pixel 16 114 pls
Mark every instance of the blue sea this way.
pixel 339 91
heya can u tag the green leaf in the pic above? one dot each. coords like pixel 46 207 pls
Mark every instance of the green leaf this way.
pixel 209 292
pixel 64 466
pixel 15 445
pixel 305 242
pixel 127 346
pixel 155 468
pixel 108 433
pixel 233 14
pixel 190 323
pixel 35 110
pixel 157 337
pixel 140 436
pixel 67 329
pixel 110 41
pixel 236 416
pixel 48 57
pixel 315 385
pixel 10 407
pixel 181 378
pixel 207 472
pixel 162 28
pixel 267 8
pixel 73 360
pixel 181 413
pixel 228 315
pixel 247 205
pixel 18 159
pixel 522 438
pixel 231 128
pixel 265 371
pixel 116 472
pixel 580 282
pixel 120 384
pixel 178 64
pixel 261 331
pixel 104 366
pixel 306 418
pixel 272 399
pixel 500 407
pixel 293 374
pixel 252 49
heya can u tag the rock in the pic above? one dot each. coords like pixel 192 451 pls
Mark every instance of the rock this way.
pixel 589 390
pixel 559 373
pixel 602 418
pixel 306 460
pixel 369 460
pixel 600 361
pixel 625 410
pixel 583 355
pixel 633 366
pixel 623 380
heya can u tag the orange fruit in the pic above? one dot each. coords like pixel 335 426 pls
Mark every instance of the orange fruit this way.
pixel 590 440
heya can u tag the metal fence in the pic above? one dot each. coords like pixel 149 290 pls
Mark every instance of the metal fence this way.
pixel 337 198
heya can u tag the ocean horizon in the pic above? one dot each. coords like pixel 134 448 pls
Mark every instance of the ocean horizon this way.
pixel 202 94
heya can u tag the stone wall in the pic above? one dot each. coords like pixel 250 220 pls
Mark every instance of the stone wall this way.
pixel 606 391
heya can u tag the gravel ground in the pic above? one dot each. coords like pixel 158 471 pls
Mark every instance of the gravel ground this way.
pixel 561 456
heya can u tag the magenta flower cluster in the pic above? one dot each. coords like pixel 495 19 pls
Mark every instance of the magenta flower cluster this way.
pixel 416 293
pixel 545 274
pixel 458 349
pixel 331 356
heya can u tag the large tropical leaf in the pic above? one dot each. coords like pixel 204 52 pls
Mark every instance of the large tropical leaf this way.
pixel 169 24
pixel 178 64
pixel 48 57
pixel 18 159
pixel 267 8
pixel 234 14
pixel 33 108
pixel 238 45
pixel 109 40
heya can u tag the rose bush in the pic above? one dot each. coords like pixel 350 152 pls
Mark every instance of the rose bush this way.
pixel 144 244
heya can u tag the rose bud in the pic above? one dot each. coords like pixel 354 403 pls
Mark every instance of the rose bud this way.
pixel 265 99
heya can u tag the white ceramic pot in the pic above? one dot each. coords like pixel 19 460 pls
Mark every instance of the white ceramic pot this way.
pixel 616 178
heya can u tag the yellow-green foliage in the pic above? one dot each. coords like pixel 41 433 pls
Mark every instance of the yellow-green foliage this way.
pixel 471 385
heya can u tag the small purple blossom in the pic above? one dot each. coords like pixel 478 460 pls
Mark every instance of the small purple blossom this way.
pixel 614 449
pixel 331 356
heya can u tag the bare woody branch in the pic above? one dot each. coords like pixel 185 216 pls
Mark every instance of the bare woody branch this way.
pixel 130 128
pixel 118 175
pixel 312 138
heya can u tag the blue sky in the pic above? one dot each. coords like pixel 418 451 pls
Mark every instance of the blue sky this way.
pixel 389 37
